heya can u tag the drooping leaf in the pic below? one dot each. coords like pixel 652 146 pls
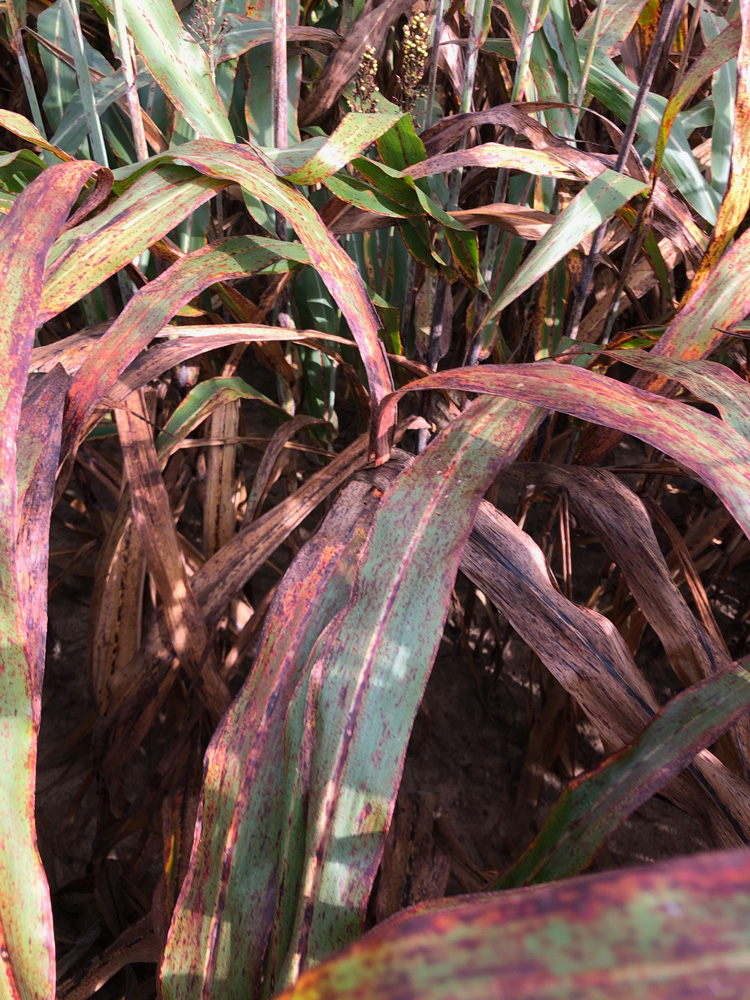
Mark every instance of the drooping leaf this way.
pixel 86 255
pixel 493 155
pixel 25 129
pixel 149 310
pixel 593 805
pixel 200 402
pixel 27 963
pixel 722 300
pixel 334 266
pixel 674 930
pixel 708 380
pixel 716 452
pixel 355 133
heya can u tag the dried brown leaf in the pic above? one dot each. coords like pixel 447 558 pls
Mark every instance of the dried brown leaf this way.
pixel 586 654
pixel 370 28
pixel 154 520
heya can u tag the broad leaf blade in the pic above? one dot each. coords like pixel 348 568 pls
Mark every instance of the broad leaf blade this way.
pixel 674 931
pixel 369 672
pixel 242 807
pixel 179 65
pixel 716 452
pixel 86 255
pixel 708 380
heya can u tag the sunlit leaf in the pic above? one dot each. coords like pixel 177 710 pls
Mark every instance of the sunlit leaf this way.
pixel 598 201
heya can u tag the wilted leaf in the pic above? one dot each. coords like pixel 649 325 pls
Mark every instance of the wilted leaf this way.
pixel 155 522
pixel 115 619
pixel 588 657
pixel 621 523
pixel 139 691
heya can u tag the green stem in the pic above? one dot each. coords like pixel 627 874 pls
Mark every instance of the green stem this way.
pixel 96 136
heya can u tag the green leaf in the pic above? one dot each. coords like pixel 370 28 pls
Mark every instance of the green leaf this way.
pixel 464 248
pixel 390 182
pixel 361 195
pixel 598 201
pixel 178 64
pixel 594 805
pixel 612 87
pixel 200 403
pixel 401 147
pixel 72 128
pixel 18 170
pixel 719 50
pixel 355 133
